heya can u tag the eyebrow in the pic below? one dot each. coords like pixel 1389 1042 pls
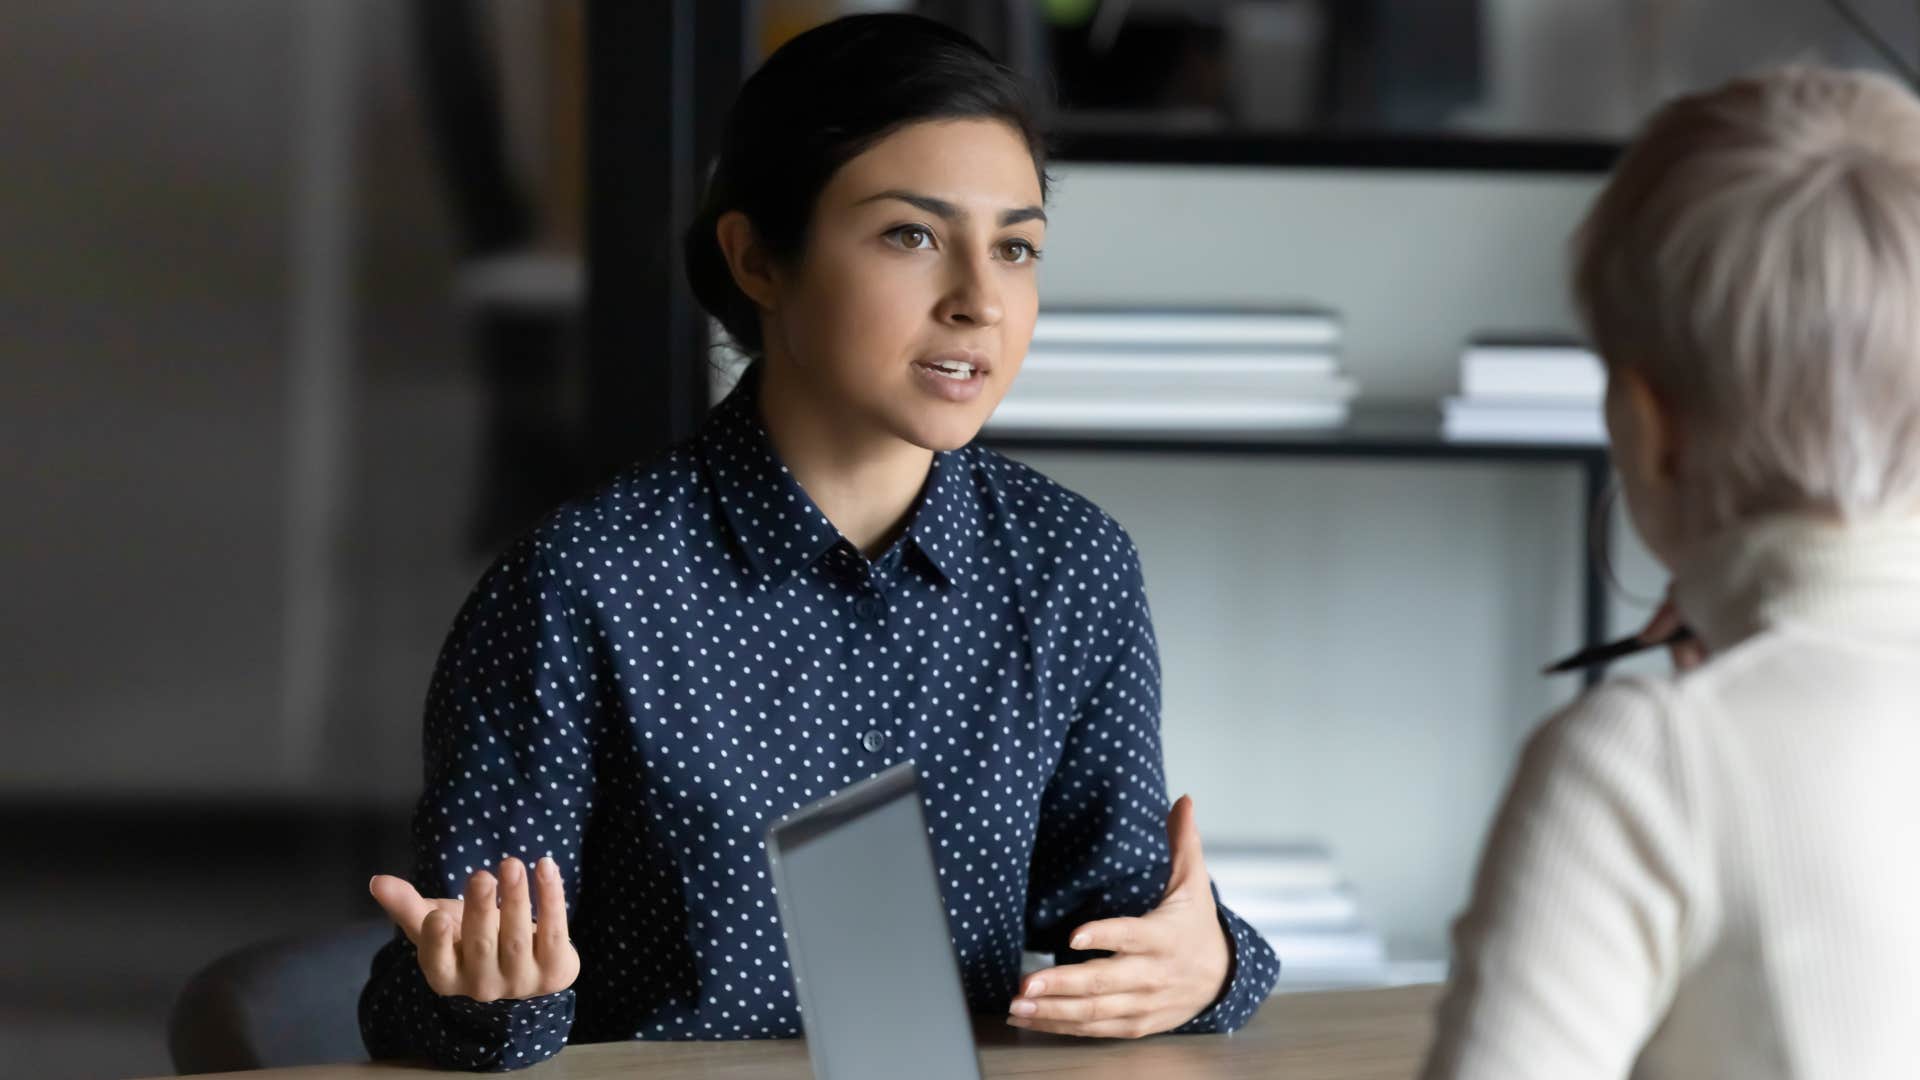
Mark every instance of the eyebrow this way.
pixel 947 211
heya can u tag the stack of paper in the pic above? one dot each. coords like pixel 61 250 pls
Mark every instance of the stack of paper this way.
pixel 1528 390
pixel 1168 371
pixel 1294 895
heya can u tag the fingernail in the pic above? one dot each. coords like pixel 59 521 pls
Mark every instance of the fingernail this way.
pixel 548 868
pixel 1079 942
pixel 510 872
pixel 371 880
pixel 1022 1008
pixel 1036 988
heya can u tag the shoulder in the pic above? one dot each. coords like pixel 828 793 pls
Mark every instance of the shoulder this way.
pixel 1625 715
pixel 1662 720
pixel 1614 746
pixel 650 506
pixel 1049 521
pixel 1757 676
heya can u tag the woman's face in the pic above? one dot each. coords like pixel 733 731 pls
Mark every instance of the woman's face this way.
pixel 910 309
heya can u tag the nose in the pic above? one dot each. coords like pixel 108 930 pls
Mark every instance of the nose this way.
pixel 973 297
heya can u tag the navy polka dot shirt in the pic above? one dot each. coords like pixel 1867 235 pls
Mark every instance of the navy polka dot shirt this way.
pixel 646 682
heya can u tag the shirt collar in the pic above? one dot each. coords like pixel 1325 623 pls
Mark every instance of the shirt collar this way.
pixel 779 528
pixel 947 522
pixel 782 531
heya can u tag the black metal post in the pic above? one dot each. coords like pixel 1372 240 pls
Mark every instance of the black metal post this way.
pixel 659 77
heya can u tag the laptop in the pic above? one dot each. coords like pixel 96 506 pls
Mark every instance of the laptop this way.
pixel 873 962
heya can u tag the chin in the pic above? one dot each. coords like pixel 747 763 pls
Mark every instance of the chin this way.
pixel 941 433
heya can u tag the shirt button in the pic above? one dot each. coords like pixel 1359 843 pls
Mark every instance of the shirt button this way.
pixel 874 741
pixel 870 608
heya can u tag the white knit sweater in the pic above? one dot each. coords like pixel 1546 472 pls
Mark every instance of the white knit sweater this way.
pixel 1718 874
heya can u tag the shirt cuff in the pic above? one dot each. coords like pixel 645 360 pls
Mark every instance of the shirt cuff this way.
pixel 1252 969
pixel 495 1036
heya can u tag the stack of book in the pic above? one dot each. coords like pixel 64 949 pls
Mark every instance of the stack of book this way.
pixel 1294 895
pixel 1528 390
pixel 1147 372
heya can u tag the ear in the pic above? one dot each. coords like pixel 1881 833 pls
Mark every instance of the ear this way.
pixel 751 265
pixel 1646 436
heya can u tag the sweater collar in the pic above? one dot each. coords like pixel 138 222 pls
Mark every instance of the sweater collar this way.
pixel 1801 571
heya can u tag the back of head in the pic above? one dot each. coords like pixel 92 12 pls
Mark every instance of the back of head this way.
pixel 1756 259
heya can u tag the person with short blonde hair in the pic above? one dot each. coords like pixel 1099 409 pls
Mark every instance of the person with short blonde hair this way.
pixel 1710 874
pixel 1755 260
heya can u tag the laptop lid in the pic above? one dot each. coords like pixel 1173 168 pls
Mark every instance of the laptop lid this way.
pixel 867 935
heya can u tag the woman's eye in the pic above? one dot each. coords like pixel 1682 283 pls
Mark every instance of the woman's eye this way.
pixel 1018 251
pixel 913 237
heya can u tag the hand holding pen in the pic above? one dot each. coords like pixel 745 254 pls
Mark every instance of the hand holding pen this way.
pixel 1666 628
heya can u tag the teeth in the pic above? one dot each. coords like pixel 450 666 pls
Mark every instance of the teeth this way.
pixel 958 371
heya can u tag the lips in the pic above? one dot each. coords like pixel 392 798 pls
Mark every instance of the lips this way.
pixel 959 365
pixel 957 376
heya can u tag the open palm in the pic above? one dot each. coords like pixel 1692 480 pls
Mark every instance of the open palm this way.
pixel 487 944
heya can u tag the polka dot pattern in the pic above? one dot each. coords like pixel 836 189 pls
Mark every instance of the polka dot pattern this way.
pixel 645 683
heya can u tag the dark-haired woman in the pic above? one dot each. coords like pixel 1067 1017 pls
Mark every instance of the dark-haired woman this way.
pixel 829 579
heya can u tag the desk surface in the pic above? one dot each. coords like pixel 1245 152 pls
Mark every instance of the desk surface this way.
pixel 1340 1035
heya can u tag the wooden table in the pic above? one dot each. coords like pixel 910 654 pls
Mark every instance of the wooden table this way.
pixel 1339 1035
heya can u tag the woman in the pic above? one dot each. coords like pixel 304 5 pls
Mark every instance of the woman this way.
pixel 1712 875
pixel 828 580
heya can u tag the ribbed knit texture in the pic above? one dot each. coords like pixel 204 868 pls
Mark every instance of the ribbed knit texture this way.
pixel 1718 874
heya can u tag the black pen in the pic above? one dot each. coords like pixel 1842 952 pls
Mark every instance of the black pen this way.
pixel 1614 650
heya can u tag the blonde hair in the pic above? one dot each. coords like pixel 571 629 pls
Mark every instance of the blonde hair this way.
pixel 1756 259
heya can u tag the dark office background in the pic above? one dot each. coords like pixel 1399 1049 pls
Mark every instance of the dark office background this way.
pixel 298 328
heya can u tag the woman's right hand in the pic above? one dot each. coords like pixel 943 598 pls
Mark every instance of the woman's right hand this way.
pixel 1666 622
pixel 476 949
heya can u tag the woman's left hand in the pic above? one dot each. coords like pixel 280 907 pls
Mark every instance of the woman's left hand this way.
pixel 1167 967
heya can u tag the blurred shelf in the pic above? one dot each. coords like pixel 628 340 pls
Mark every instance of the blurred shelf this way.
pixel 1407 431
pixel 1280 148
pixel 1298 979
pixel 533 281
